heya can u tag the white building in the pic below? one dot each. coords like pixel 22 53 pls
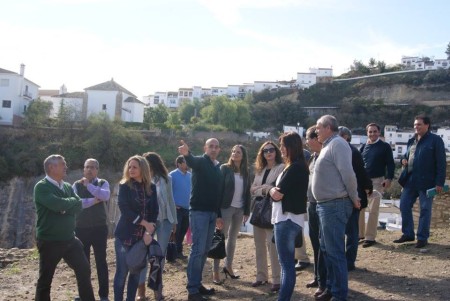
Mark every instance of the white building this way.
pixel 444 133
pixel 115 100
pixel 398 139
pixel 289 128
pixel 417 63
pixel 305 80
pixel 16 94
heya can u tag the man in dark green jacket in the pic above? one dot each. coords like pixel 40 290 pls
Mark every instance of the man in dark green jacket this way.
pixel 56 208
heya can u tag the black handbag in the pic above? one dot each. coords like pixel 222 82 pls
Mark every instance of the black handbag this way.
pixel 171 254
pixel 217 250
pixel 262 213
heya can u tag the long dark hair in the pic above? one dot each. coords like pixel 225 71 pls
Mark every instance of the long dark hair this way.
pixel 157 167
pixel 243 167
pixel 261 162
pixel 294 147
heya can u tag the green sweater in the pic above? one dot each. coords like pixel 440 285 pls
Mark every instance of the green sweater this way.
pixel 56 211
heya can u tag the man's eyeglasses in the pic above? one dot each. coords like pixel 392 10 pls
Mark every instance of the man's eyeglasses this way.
pixel 269 150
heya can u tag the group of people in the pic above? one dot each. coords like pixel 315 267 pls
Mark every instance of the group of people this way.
pixel 328 187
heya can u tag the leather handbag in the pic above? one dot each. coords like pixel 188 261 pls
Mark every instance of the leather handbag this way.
pixel 136 257
pixel 262 213
pixel 171 254
pixel 217 250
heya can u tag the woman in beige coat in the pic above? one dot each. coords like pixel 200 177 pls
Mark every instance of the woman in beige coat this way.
pixel 268 166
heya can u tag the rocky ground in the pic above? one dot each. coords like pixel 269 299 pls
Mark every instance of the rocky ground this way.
pixel 385 271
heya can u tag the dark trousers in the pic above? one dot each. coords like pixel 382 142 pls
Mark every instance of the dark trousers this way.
pixel 97 238
pixel 352 233
pixel 320 268
pixel 50 254
pixel 182 227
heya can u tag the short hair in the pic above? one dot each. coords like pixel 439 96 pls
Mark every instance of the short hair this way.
pixel 329 120
pixel 426 120
pixel 97 165
pixel 345 131
pixel 311 132
pixel 179 160
pixel 51 160
pixel 373 124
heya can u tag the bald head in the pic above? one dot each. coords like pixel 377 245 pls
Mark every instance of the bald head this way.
pixel 212 148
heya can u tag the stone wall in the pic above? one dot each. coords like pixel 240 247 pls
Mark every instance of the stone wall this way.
pixel 441 208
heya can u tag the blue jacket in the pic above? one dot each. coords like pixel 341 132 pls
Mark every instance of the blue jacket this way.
pixel 429 162
pixel 128 228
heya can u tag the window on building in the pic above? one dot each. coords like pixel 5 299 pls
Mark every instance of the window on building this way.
pixel 156 101
pixel 6 104
pixel 4 82
pixel 390 134
pixel 24 108
pixel 400 150
pixel 190 94
pixel 104 107
pixel 399 135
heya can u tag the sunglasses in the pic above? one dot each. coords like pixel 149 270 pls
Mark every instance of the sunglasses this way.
pixel 269 150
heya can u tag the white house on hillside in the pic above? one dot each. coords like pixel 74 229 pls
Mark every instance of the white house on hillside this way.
pixel 108 97
pixel 16 94
pixel 417 63
pixel 397 139
pixel 115 100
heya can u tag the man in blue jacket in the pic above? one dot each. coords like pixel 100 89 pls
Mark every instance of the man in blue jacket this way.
pixel 426 163
pixel 204 212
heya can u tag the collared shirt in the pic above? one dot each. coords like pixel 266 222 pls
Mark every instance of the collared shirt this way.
pixel 60 185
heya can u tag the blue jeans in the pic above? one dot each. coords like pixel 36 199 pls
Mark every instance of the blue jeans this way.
pixel 285 233
pixel 352 232
pixel 163 231
pixel 320 268
pixel 407 200
pixel 203 224
pixel 121 274
pixel 182 227
pixel 333 217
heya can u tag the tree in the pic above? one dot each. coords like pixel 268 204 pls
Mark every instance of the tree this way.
pixel 372 62
pixel 156 117
pixel 381 65
pixel 448 51
pixel 38 113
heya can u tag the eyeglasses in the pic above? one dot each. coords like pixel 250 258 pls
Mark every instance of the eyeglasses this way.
pixel 269 150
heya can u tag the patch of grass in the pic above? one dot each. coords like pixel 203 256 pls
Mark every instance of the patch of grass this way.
pixel 35 254
pixel 13 269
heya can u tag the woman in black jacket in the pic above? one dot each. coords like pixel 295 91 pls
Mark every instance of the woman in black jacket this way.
pixel 235 205
pixel 289 208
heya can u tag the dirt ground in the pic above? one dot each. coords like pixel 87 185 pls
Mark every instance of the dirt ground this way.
pixel 385 271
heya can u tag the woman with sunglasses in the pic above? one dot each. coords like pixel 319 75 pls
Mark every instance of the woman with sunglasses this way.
pixel 268 166
pixel 235 206
pixel 289 208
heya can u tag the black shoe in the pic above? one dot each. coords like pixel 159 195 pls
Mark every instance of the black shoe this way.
pixel 301 266
pixel 421 244
pixel 181 256
pixel 368 243
pixel 206 291
pixel 325 296
pixel 227 273
pixel 196 297
pixel 403 239
pixel 275 288
pixel 313 283
pixel 351 267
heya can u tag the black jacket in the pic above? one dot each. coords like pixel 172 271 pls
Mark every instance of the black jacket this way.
pixel 228 189
pixel 294 185
pixel 362 177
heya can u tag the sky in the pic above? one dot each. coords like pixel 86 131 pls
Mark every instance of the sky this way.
pixel 150 46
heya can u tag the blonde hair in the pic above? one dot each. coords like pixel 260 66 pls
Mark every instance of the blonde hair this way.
pixel 145 173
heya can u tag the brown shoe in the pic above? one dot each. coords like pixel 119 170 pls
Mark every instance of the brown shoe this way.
pixel 259 283
pixel 141 292
pixel 275 288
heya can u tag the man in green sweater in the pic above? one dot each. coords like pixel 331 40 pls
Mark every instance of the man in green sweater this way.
pixel 56 208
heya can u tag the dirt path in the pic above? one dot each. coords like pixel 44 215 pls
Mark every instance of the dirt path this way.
pixel 384 272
